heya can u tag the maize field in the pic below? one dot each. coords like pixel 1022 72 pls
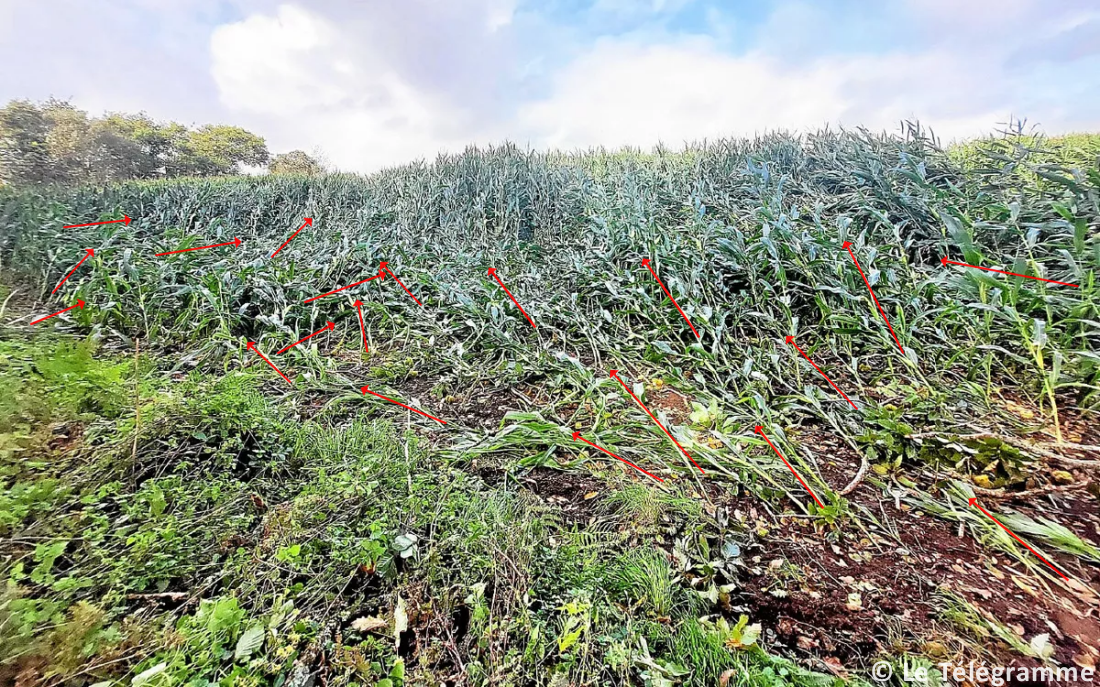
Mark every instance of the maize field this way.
pixel 216 523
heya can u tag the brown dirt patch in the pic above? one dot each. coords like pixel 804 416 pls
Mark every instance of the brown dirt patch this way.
pixel 1081 513
pixel 1080 426
pixel 675 405
pixel 837 462
pixel 493 475
pixel 418 387
pixel 802 580
pixel 20 302
pixel 65 436
pixel 577 495
pixel 483 407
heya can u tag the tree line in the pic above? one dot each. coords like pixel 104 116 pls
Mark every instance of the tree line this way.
pixel 54 142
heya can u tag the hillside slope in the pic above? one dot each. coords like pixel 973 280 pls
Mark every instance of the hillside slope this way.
pixel 806 428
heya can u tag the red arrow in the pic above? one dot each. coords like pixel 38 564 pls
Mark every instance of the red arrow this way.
pixel 252 346
pixel 234 242
pixel 79 304
pixel 342 288
pixel 92 224
pixel 944 261
pixel 493 274
pixel 87 255
pixel 327 328
pixel 974 502
pixel 577 436
pixel 615 376
pixel 384 267
pixel 760 431
pixel 646 263
pixel 309 221
pixel 362 327
pixel 848 245
pixel 790 340
pixel 366 390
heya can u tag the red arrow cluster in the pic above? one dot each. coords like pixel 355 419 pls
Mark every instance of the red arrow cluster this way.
pixel 88 253
pixel 383 269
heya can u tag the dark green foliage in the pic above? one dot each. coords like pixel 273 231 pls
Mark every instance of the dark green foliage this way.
pixel 24 155
pixel 55 142
pixel 296 162
pixel 214 150
pixel 59 382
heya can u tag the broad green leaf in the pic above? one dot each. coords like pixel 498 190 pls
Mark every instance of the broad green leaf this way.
pixel 250 640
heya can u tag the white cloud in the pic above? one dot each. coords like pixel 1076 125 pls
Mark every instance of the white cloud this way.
pixel 996 24
pixel 500 14
pixel 638 8
pixel 627 94
pixel 624 93
pixel 972 13
pixel 375 82
pixel 123 55
pixel 287 63
pixel 339 81
pixel 300 77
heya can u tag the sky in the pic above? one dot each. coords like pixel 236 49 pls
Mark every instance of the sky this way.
pixel 375 83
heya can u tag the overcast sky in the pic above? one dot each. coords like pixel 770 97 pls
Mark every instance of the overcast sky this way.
pixel 373 83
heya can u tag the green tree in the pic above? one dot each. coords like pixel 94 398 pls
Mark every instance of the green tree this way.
pixel 114 156
pixel 56 142
pixel 67 140
pixel 296 162
pixel 97 150
pixel 221 149
pixel 159 144
pixel 24 151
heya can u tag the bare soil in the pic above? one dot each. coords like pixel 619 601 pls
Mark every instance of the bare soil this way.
pixel 674 404
pixel 575 494
pixel 844 595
